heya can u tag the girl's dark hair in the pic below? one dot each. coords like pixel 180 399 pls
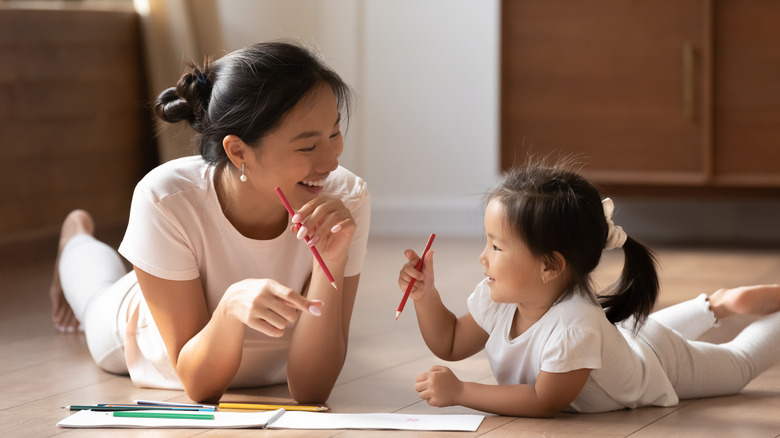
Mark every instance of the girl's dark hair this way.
pixel 247 93
pixel 552 208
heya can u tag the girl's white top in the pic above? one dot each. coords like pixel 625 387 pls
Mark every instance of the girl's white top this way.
pixel 178 231
pixel 573 334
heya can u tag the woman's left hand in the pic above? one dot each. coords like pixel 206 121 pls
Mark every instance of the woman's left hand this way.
pixel 329 225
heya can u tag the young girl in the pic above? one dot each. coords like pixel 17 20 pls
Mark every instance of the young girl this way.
pixel 552 343
pixel 220 295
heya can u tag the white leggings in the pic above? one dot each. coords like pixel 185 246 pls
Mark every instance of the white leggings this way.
pixel 96 285
pixel 702 369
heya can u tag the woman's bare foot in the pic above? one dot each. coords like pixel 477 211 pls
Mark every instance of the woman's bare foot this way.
pixel 757 300
pixel 77 222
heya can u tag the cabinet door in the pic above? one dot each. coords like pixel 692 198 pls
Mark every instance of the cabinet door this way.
pixel 747 92
pixel 619 83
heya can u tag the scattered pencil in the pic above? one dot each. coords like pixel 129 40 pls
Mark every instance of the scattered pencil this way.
pixel 171 404
pixel 120 407
pixel 263 407
pixel 147 414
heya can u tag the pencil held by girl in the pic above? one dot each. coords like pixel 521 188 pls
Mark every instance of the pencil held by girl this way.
pixel 553 342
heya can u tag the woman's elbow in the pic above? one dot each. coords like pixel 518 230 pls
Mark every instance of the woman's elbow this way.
pixel 309 395
pixel 198 394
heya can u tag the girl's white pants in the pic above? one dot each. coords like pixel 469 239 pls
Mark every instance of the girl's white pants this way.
pixel 702 369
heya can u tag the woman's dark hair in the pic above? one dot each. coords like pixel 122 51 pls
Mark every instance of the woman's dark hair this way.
pixel 247 93
pixel 553 208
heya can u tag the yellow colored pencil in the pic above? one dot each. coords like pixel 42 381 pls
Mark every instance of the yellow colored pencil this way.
pixel 262 407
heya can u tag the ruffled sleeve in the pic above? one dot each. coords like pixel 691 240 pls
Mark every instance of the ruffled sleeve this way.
pixel 571 349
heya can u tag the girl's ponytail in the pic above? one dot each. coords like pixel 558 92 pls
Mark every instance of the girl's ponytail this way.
pixel 636 291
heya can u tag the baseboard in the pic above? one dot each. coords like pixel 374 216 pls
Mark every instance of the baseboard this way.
pixel 754 223
pixel 740 222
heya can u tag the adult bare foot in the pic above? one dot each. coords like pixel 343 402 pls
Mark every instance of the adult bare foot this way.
pixel 77 222
pixel 759 300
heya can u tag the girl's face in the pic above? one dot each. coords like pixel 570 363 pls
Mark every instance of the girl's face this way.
pixel 514 274
pixel 300 154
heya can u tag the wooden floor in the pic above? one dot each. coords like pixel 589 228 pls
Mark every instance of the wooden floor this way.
pixel 41 370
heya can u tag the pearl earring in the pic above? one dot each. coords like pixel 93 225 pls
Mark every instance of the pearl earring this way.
pixel 243 173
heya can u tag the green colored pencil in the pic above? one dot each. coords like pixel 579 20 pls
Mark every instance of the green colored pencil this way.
pixel 147 414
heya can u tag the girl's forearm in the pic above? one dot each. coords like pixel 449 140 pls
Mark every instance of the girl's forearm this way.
pixel 510 400
pixel 437 325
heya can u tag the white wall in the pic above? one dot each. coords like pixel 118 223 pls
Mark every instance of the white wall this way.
pixel 425 131
pixel 431 113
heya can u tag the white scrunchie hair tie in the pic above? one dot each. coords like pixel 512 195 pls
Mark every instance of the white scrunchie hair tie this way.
pixel 616 236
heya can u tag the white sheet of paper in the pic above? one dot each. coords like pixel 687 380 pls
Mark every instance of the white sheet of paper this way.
pixel 281 419
pixel 233 420
pixel 324 420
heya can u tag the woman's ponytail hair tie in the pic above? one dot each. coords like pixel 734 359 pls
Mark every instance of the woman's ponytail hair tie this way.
pixel 616 237
pixel 203 79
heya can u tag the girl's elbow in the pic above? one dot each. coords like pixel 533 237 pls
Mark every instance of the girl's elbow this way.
pixel 549 410
pixel 443 352
pixel 549 413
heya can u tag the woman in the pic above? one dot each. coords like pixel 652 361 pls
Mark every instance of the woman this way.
pixel 220 295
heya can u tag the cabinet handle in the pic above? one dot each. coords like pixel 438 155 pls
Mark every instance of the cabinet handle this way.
pixel 688 71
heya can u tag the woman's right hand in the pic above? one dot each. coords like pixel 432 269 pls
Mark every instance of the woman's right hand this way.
pixel 423 281
pixel 266 305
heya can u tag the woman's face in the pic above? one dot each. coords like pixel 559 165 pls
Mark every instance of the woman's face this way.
pixel 514 274
pixel 300 154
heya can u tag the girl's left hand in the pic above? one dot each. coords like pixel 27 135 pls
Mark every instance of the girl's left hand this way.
pixel 329 225
pixel 439 387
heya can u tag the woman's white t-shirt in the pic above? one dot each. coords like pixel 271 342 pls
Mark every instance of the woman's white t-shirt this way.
pixel 177 231
pixel 573 334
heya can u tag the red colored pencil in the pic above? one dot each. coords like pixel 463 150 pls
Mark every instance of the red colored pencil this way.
pixel 312 248
pixel 411 283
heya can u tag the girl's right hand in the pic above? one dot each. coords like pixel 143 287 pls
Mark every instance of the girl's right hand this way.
pixel 423 281
pixel 266 305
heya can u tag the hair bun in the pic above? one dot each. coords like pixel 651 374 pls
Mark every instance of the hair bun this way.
pixel 173 108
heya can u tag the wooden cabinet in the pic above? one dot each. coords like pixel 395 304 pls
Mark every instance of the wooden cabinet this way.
pixel 746 71
pixel 75 127
pixel 645 92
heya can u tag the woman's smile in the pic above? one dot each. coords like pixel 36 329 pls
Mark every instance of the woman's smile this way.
pixel 313 186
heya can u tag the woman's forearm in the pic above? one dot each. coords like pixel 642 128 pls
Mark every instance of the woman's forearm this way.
pixel 319 344
pixel 209 361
